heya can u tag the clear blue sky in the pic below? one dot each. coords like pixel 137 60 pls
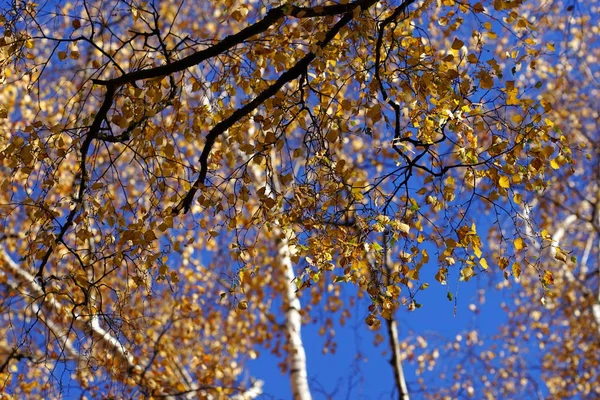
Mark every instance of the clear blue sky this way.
pixel 343 375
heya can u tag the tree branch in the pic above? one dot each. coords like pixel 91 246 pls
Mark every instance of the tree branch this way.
pixel 288 76
pixel 270 19
pixel 52 306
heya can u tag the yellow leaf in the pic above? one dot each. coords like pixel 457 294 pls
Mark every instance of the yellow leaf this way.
pixel 467 273
pixel 548 278
pixel 332 136
pixel 441 274
pixel 554 164
pixel 425 256
pixel 163 227
pixel 243 275
pixel 502 262
pixel 516 118
pixel 483 263
pixel 519 243
pixel 516 178
pixel 516 270
pixel 560 255
pixel 413 274
pixel 372 320
pixel 546 235
pixel 547 151
pixel 374 113
pixel 504 182
pixel 512 97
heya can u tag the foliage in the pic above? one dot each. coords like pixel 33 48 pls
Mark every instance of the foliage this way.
pixel 164 165
pixel 548 345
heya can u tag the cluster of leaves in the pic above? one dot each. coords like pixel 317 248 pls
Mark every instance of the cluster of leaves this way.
pixel 548 345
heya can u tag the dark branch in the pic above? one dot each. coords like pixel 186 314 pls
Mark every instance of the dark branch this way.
pixel 291 74
pixel 92 134
pixel 231 41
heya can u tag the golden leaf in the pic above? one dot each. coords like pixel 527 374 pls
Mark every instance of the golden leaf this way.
pixel 483 263
pixel 519 244
pixel 516 270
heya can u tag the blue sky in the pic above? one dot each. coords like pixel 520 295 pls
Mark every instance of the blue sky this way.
pixel 361 370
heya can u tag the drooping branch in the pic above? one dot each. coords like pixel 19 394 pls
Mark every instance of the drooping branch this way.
pixel 50 305
pixel 392 19
pixel 35 289
pixel 93 133
pixel 272 17
pixel 172 67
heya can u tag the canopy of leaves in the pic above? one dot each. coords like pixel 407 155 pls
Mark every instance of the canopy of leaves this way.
pixel 157 156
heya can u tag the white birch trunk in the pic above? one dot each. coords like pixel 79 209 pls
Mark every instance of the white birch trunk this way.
pixel 293 318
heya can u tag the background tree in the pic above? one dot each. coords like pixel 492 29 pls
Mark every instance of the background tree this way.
pixel 548 345
pixel 169 171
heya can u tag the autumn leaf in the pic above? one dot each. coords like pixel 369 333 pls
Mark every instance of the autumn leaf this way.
pixel 519 244
pixel 516 270
pixel 548 278
pixel 560 255
pixel 457 44
pixel 504 182
pixel 483 263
